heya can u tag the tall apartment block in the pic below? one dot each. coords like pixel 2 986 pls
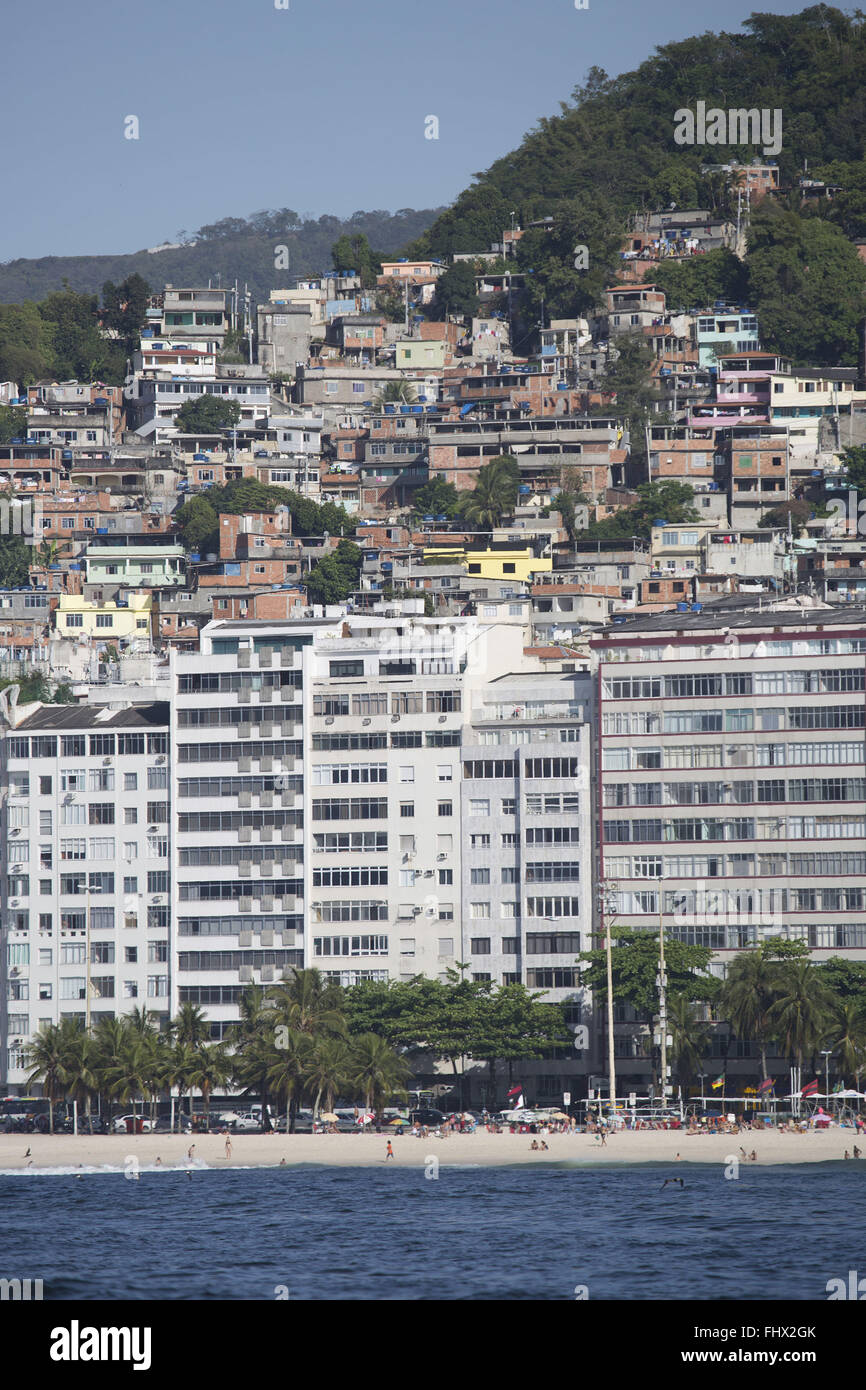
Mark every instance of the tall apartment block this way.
pixel 237 719
pixel 390 701
pixel 86 832
pixel 732 781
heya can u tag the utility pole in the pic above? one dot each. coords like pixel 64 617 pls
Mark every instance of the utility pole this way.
pixel 662 982
pixel 607 912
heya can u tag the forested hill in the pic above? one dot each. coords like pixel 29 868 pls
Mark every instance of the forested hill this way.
pixel 235 248
pixel 611 152
pixel 612 147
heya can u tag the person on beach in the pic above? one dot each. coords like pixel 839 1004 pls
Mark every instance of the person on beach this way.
pixel 534 1144
pixel 857 1152
pixel 228 1148
pixel 158 1163
pixel 389 1151
pixel 190 1153
pixel 282 1163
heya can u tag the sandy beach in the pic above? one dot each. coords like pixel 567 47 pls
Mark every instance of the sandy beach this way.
pixel 366 1150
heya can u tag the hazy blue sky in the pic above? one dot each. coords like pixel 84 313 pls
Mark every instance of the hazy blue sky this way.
pixel 319 107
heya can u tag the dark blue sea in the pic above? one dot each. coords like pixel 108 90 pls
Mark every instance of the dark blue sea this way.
pixel 473 1233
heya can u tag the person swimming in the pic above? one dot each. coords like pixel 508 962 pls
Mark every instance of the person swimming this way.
pixel 672 1180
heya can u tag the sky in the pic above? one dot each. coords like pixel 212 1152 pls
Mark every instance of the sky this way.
pixel 320 106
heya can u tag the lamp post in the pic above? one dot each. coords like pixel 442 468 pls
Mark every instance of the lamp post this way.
pixel 703 1076
pixel 662 983
pixel 827 1054
pixel 607 910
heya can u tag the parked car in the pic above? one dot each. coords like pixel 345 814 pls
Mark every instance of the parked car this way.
pixel 133 1124
pixel 427 1117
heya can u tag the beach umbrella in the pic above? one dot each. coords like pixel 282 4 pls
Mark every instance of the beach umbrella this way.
pixel 398 1121
pixel 329 1116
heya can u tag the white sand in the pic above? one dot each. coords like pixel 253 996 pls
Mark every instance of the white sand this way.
pixel 357 1150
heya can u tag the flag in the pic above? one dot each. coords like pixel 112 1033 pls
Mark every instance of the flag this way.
pixel 515 1095
pixel 719 1081
pixel 767 1086
pixel 810 1089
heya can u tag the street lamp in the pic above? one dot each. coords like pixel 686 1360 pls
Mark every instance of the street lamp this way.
pixel 607 904
pixel 827 1054
pixel 703 1077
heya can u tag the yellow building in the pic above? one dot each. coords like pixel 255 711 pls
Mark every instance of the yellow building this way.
pixel 120 620
pixel 414 352
pixel 499 562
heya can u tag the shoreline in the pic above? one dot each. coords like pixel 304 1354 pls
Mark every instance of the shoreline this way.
pixel 117 1152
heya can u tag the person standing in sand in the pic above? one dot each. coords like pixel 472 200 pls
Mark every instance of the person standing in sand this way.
pixel 190 1153
pixel 228 1149
pixel 389 1152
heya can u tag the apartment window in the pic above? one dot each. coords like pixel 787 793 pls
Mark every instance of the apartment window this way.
pixel 444 773
pixel 407 774
pixel 446 946
pixel 479 807
pixel 130 815
pixel 479 911
pixel 479 876
pixel 479 841
pixel 407 809
pixel 479 945
pixel 446 877
pixel 445 808
pixel 130 781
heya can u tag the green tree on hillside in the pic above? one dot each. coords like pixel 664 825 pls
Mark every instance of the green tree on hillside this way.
pixel 13 423
pixel 125 308
pixel 336 575
pixel 207 415
pixel 809 285
pixel 455 292
pixel 494 495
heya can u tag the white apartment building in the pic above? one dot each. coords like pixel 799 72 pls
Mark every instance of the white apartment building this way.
pixel 86 834
pixel 527 830
pixel 390 700
pixel 238 788
pixel 732 781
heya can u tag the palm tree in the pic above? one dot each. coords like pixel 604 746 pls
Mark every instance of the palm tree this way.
pixel 403 391
pixel 109 1040
pixel 327 1071
pixel 80 1057
pixel 802 1010
pixel 190 1025
pixel 748 995
pixel 495 493
pixel 210 1069
pixel 252 1042
pixel 377 1072
pixel 127 1075
pixel 182 1063
pixel 288 1069
pixel 847 1037
pixel 306 1001
pixel 691 1037
pixel 48 1057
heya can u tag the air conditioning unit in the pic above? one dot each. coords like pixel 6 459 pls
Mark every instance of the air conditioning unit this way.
pixel 440 857
pixel 330 719
pixel 13 902
pixel 395 719
pixel 428 873
pixel 416 911
pixel 157 898
pixel 14 972
pixel 161 758
pixel 152 829
pixel 106 762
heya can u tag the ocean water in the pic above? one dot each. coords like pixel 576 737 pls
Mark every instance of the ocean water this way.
pixel 472 1233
